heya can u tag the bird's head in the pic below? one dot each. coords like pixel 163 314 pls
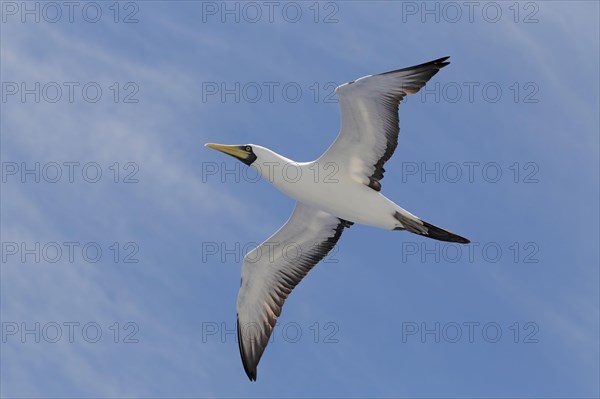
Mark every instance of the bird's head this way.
pixel 267 163
pixel 244 153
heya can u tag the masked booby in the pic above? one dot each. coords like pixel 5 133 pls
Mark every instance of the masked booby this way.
pixel 346 191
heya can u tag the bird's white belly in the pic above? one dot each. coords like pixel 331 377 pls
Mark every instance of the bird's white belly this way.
pixel 347 200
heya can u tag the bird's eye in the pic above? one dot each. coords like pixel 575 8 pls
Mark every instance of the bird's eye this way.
pixel 248 148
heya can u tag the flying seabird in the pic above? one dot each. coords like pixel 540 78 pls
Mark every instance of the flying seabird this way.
pixel 340 188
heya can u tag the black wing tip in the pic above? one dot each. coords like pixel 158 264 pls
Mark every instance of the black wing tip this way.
pixel 250 371
pixel 437 64
pixel 440 63
pixel 345 223
pixel 441 60
pixel 443 235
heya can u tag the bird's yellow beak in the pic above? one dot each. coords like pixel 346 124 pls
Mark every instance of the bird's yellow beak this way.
pixel 242 152
pixel 233 150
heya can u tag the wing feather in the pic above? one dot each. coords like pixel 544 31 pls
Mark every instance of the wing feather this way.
pixel 273 269
pixel 369 120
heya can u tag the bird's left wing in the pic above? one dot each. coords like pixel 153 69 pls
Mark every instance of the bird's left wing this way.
pixel 273 269
pixel 369 120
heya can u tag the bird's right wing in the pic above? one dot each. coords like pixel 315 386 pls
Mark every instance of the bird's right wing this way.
pixel 369 120
pixel 273 269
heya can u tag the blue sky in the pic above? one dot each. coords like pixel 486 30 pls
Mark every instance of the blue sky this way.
pixel 349 328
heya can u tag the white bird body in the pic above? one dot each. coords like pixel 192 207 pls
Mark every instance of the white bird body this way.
pixel 340 188
pixel 320 184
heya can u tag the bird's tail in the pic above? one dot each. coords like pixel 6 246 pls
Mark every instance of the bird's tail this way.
pixel 415 225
